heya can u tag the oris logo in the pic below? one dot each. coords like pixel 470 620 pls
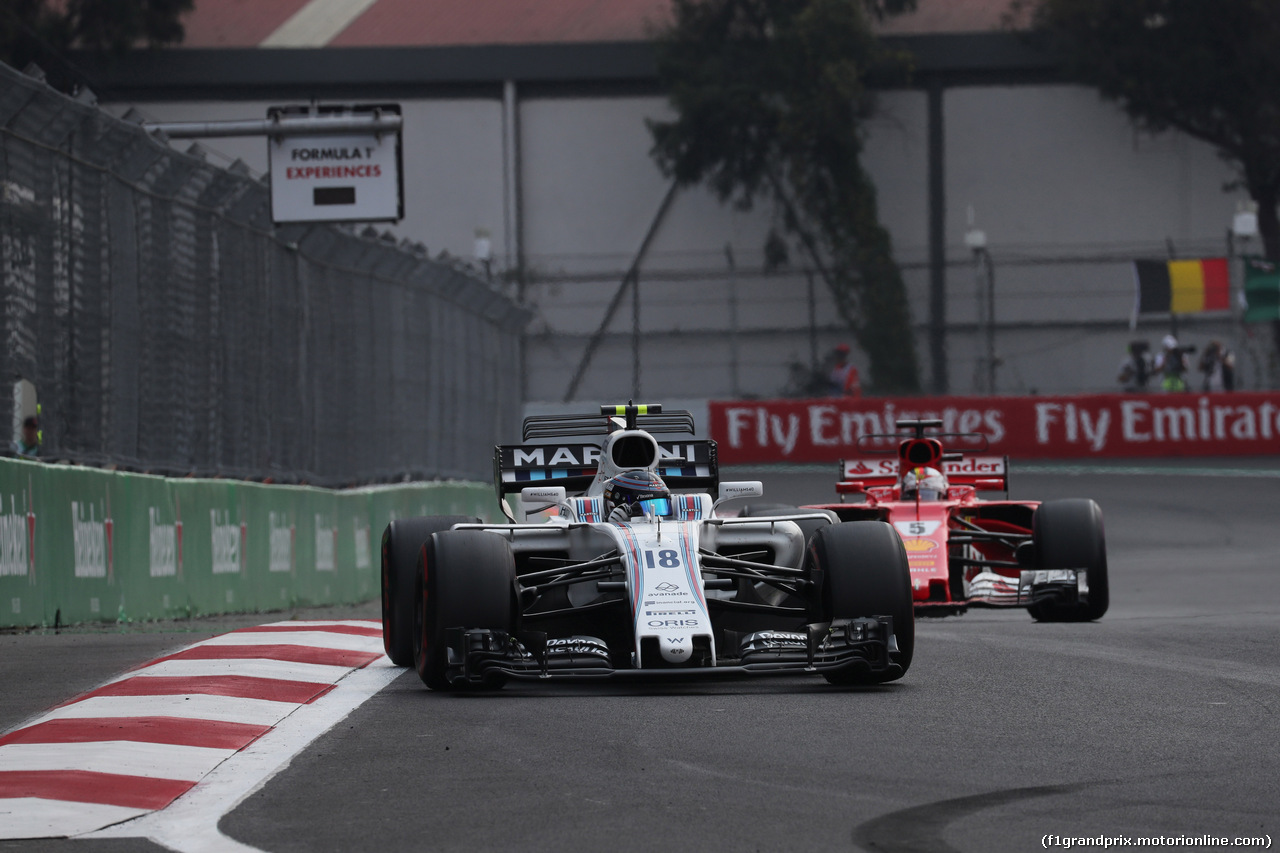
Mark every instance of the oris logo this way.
pixel 673 623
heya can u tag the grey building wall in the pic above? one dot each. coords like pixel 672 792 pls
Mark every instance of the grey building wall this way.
pixel 1065 189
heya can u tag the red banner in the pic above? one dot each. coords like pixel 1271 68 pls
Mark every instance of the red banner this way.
pixel 1067 427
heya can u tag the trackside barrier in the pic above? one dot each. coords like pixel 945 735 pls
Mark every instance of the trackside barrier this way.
pixel 82 544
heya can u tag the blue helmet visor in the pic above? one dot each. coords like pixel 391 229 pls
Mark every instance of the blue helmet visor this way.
pixel 657 506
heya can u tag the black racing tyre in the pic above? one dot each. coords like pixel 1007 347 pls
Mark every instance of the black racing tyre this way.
pixel 808 526
pixel 1068 534
pixel 466 579
pixel 401 542
pixel 864 572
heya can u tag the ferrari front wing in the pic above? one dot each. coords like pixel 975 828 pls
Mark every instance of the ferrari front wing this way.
pixel 1032 586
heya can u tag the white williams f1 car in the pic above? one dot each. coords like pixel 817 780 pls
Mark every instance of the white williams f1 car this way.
pixel 633 572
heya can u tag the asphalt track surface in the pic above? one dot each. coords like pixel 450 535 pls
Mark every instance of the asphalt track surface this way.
pixel 1159 720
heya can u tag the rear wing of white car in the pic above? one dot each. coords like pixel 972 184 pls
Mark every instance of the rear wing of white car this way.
pixel 685 466
pixel 688 465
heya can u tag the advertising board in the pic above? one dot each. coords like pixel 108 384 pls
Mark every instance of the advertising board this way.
pixel 349 177
pixel 1109 426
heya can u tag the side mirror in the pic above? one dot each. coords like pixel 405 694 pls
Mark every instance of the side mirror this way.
pixel 539 498
pixel 740 489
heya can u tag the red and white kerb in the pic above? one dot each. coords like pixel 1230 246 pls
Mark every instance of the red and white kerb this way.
pixel 137 743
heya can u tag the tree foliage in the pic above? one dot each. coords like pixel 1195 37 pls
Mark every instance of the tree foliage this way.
pixel 43 31
pixel 771 97
pixel 1209 68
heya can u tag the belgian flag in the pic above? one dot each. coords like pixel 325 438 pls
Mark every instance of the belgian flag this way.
pixel 1182 287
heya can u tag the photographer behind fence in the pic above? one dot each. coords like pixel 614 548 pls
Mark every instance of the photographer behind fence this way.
pixel 1172 364
pixel 1135 368
pixel 1218 364
pixel 28 441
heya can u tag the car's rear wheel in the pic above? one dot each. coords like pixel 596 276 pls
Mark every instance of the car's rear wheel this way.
pixel 466 579
pixel 864 573
pixel 1068 534
pixel 808 526
pixel 401 542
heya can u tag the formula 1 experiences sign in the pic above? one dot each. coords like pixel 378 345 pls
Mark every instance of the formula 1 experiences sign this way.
pixel 1067 427
pixel 349 177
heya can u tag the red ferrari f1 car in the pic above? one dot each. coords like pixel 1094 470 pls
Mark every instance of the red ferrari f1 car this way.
pixel 964 551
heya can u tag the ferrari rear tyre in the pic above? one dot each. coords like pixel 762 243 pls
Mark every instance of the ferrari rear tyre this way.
pixel 466 579
pixel 1068 534
pixel 865 574
pixel 401 542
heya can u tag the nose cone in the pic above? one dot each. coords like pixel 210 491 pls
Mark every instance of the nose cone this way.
pixel 676 649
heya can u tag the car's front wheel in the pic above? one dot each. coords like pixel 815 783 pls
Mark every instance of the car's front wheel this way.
pixel 1068 534
pixel 865 573
pixel 401 542
pixel 466 579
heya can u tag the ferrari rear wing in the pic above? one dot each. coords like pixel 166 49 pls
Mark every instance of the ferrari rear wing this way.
pixel 685 466
pixel 984 473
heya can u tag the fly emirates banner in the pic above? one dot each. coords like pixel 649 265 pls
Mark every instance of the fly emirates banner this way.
pixel 1087 426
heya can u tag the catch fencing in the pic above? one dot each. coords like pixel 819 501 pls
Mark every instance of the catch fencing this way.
pixel 168 326
pixel 721 326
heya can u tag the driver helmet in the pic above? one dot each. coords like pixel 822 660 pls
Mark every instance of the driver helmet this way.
pixel 926 484
pixel 638 491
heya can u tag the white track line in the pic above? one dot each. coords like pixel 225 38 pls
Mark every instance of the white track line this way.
pixel 30 817
pixel 230 709
pixel 312 639
pixel 127 758
pixel 257 668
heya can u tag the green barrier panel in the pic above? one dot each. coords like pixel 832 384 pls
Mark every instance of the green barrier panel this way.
pixel 20 599
pixel 213 528
pixel 58 547
pixel 271 534
pixel 81 544
pixel 147 549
